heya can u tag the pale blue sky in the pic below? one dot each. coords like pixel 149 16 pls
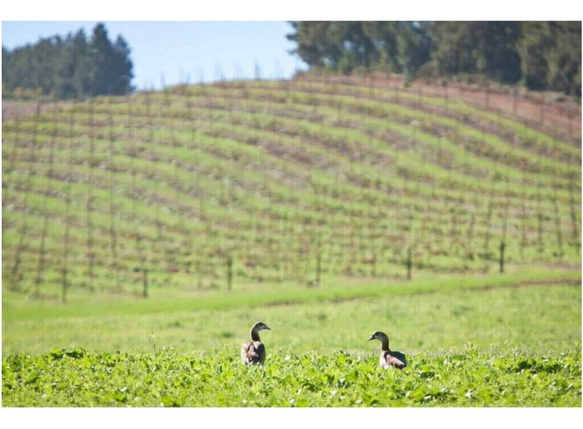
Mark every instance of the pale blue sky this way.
pixel 174 51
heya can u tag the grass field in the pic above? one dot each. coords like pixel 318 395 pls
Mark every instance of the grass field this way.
pixel 217 320
pixel 469 344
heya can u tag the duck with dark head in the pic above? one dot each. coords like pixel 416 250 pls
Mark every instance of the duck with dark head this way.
pixel 253 352
pixel 388 358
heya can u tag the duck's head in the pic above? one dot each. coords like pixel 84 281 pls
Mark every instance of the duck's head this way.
pixel 378 335
pixel 260 326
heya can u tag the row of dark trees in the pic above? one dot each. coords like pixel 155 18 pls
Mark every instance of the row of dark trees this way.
pixel 540 55
pixel 72 67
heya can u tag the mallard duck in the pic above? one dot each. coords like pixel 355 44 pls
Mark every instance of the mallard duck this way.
pixel 253 352
pixel 388 358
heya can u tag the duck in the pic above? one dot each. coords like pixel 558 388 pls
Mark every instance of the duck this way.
pixel 253 352
pixel 387 357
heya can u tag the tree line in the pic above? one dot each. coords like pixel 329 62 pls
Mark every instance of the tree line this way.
pixel 71 67
pixel 540 55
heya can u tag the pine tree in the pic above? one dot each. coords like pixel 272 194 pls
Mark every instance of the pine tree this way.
pixel 70 67
pixel 101 54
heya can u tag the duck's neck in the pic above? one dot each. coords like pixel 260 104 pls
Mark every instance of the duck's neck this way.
pixel 385 344
pixel 255 335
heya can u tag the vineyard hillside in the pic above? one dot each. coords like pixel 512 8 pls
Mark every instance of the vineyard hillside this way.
pixel 304 181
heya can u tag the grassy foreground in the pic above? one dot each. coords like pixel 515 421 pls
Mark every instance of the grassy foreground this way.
pixel 481 342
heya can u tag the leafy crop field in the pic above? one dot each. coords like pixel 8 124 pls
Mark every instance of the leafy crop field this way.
pixel 78 378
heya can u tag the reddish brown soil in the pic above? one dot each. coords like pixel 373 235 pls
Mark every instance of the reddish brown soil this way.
pixel 536 109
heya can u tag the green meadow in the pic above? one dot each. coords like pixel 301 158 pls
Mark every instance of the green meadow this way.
pixel 476 342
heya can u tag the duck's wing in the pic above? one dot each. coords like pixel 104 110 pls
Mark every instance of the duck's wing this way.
pixel 400 356
pixel 396 359
pixel 253 352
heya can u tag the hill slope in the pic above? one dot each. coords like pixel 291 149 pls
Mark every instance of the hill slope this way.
pixel 205 186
